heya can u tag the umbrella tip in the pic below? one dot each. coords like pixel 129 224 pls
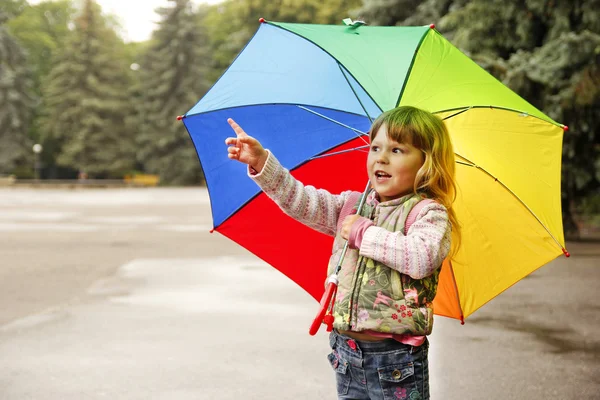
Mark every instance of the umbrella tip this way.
pixel 261 20
pixel 567 254
pixel 432 26
pixel 179 117
pixel 565 128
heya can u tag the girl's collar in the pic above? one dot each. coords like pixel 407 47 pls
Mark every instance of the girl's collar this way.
pixel 373 199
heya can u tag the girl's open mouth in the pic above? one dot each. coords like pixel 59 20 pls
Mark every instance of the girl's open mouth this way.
pixel 380 175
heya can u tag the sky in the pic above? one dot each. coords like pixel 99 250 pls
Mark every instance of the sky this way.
pixel 136 16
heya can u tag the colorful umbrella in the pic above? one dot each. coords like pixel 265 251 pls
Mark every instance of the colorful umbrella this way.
pixel 309 93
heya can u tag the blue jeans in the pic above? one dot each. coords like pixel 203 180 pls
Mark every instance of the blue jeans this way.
pixel 382 370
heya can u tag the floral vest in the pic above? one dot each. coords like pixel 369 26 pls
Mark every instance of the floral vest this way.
pixel 371 295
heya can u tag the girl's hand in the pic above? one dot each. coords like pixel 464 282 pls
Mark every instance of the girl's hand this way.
pixel 347 225
pixel 245 148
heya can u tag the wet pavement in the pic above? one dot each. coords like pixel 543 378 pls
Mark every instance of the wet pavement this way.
pixel 124 294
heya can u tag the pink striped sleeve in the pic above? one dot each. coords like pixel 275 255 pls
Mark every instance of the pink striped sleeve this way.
pixel 417 254
pixel 316 208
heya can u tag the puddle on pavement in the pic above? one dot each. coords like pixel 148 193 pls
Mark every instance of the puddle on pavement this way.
pixel 220 284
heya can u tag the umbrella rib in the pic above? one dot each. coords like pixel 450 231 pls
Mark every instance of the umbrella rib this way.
pixel 355 94
pixel 462 317
pixel 523 113
pixel 457 113
pixel 464 163
pixel 360 134
pixel 339 152
pixel 515 196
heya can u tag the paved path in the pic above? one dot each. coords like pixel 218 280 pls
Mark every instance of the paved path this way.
pixel 123 294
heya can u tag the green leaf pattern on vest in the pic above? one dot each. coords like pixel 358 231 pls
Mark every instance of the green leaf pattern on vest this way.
pixel 371 295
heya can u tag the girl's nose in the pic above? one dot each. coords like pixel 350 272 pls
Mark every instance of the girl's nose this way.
pixel 382 158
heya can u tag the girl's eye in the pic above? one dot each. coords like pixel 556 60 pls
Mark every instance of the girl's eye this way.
pixel 397 150
pixel 374 148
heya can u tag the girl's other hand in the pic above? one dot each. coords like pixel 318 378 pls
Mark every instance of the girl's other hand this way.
pixel 347 225
pixel 245 148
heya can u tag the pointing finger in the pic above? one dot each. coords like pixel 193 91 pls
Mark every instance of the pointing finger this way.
pixel 234 125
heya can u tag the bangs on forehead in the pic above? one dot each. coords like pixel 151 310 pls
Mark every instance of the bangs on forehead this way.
pixel 404 134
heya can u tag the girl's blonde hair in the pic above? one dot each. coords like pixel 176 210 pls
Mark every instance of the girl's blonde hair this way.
pixel 428 133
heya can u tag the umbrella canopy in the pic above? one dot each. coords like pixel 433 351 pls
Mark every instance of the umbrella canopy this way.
pixel 309 93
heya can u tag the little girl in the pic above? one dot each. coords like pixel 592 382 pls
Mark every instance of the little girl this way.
pixel 382 308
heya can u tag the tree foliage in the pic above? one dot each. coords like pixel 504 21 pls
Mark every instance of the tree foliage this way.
pixel 11 8
pixel 85 101
pixel 400 12
pixel 173 76
pixel 41 28
pixel 16 101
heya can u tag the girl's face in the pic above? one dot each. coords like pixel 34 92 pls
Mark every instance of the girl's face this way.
pixel 392 166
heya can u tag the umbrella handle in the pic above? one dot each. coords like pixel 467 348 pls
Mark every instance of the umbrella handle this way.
pixel 324 305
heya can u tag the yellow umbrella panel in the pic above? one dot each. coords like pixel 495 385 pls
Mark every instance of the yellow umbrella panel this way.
pixel 508 205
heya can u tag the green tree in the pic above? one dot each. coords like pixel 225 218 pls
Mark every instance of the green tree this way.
pixel 16 102
pixel 547 51
pixel 40 29
pixel 85 99
pixel 398 12
pixel 12 8
pixel 134 119
pixel 173 76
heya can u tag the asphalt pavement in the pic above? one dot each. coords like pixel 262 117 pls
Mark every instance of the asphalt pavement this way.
pixel 124 294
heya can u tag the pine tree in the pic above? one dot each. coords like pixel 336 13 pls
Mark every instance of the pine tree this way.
pixel 16 102
pixel 85 100
pixel 173 80
pixel 40 29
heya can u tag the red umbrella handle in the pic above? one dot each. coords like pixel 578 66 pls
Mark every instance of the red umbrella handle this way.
pixel 324 305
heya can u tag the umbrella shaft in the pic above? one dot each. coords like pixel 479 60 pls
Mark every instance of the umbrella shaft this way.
pixel 338 267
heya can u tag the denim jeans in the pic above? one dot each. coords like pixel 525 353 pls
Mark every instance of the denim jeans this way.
pixel 382 370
